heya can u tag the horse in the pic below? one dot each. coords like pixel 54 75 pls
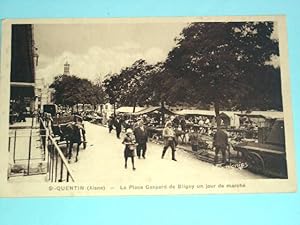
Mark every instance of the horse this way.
pixel 70 131
pixel 73 133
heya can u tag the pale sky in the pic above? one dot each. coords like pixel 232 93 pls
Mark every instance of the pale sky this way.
pixel 98 49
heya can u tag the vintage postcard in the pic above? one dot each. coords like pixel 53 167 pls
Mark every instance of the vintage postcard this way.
pixel 145 106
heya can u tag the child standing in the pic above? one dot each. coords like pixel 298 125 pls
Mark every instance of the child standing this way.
pixel 130 146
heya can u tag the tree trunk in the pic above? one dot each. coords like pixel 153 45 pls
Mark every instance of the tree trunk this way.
pixel 162 112
pixel 217 111
pixel 114 109
pixel 77 106
pixel 134 106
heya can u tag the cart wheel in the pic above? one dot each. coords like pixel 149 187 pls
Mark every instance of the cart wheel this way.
pixel 255 162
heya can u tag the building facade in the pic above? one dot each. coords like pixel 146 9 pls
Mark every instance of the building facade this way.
pixel 24 59
pixel 44 94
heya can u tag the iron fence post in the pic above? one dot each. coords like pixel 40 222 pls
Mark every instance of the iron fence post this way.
pixel 49 161
pixel 9 144
pixel 15 142
pixel 61 170
pixel 32 119
pixel 56 160
pixel 29 152
pixel 52 162
pixel 46 141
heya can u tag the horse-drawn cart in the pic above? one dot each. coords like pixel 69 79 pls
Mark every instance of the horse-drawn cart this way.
pixel 69 130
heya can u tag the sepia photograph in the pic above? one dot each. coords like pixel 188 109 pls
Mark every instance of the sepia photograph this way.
pixel 145 106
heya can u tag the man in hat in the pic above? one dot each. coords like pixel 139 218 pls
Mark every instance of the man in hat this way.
pixel 118 126
pixel 169 140
pixel 220 143
pixel 141 137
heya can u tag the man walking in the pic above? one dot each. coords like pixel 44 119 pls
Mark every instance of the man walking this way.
pixel 110 123
pixel 169 140
pixel 141 137
pixel 220 143
pixel 118 126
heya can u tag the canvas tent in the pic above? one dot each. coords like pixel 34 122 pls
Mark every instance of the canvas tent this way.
pixel 128 109
pixel 153 109
pixel 265 114
pixel 262 118
pixel 269 114
pixel 229 118
pixel 196 112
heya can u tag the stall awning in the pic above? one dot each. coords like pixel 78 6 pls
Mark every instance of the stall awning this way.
pixel 153 109
pixel 263 114
pixel 197 112
pixel 129 109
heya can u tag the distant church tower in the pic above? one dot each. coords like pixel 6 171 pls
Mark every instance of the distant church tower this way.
pixel 66 68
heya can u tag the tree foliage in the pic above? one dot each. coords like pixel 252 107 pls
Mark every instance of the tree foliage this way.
pixel 71 90
pixel 224 64
pixel 111 87
pixel 132 86
pixel 135 85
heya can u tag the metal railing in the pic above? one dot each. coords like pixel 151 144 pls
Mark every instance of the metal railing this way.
pixel 20 146
pixel 57 166
pixel 34 152
pixel 58 169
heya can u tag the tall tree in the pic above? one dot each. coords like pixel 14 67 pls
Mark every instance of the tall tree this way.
pixel 214 62
pixel 99 96
pixel 133 86
pixel 65 89
pixel 112 87
pixel 71 90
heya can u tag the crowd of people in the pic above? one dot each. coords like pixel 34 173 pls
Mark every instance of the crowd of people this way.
pixel 194 132
pixel 137 135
